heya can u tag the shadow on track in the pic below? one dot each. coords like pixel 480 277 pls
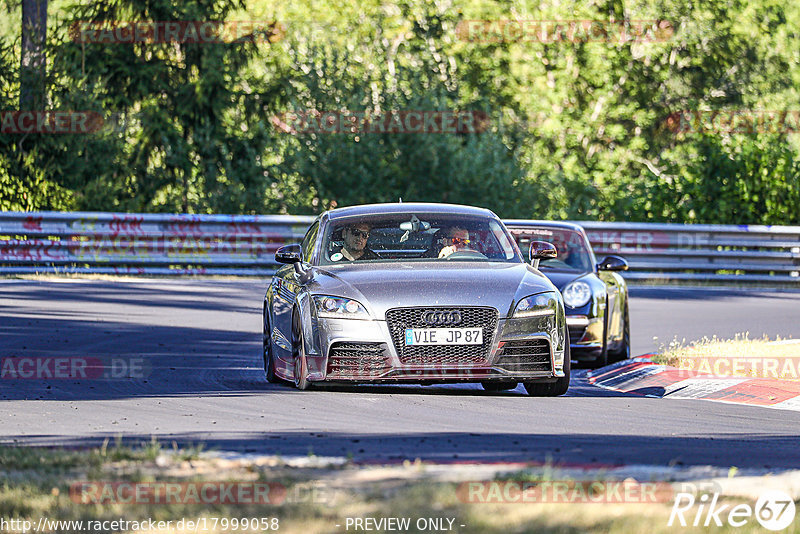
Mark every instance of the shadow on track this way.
pixel 164 327
pixel 577 450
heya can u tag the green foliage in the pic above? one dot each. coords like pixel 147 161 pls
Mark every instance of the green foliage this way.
pixel 185 130
pixel 740 179
pixel 578 129
pixel 25 160
pixel 193 130
pixel 407 72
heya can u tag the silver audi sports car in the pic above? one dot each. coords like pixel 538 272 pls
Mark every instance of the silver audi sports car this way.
pixel 415 293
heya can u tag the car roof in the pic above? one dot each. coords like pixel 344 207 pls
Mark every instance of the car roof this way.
pixel 544 224
pixel 406 207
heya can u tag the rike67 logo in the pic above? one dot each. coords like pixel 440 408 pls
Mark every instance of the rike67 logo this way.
pixel 774 510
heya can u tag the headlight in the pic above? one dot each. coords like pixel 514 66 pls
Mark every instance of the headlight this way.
pixel 541 305
pixel 577 294
pixel 339 308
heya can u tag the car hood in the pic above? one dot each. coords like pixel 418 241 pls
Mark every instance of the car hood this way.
pixel 561 278
pixel 382 286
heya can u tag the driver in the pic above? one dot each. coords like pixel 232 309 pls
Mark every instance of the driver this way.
pixel 571 256
pixel 355 238
pixel 456 239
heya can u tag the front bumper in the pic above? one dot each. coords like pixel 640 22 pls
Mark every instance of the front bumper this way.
pixel 585 333
pixel 348 350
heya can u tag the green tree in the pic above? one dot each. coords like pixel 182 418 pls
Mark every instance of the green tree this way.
pixel 578 129
pixel 399 70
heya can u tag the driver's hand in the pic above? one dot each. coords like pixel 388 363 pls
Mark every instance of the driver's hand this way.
pixel 446 251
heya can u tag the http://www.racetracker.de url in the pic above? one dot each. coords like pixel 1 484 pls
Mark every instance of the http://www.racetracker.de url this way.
pixel 202 524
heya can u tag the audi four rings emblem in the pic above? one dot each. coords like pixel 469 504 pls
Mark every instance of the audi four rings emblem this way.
pixel 439 318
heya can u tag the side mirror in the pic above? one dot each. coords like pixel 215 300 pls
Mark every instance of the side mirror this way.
pixel 289 254
pixel 612 263
pixel 541 250
pixel 293 254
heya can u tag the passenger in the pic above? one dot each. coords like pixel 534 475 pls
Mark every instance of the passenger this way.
pixel 455 240
pixel 355 238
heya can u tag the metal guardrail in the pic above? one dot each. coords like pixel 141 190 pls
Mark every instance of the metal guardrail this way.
pixel 122 243
pixel 168 244
pixel 743 253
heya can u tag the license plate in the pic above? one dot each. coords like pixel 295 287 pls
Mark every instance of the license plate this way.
pixel 444 336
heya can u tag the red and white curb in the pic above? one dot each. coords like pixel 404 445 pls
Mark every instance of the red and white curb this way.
pixel 641 376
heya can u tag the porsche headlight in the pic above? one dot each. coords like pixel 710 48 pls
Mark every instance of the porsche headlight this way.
pixel 339 308
pixel 541 305
pixel 577 294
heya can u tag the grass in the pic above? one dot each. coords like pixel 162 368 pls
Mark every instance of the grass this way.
pixel 44 460
pixel 35 483
pixel 740 356
pixel 741 346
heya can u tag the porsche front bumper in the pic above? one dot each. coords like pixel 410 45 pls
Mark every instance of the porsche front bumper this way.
pixel 585 334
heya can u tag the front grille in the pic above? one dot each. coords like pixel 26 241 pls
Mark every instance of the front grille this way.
pixel 525 356
pixel 399 319
pixel 357 360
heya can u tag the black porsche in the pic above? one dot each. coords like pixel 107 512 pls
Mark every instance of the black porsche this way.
pixel 595 295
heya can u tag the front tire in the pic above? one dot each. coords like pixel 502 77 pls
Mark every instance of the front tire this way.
pixel 624 351
pixel 301 381
pixel 561 385
pixel 269 358
pixel 602 359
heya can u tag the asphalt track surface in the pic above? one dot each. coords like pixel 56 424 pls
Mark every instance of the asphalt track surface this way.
pixel 200 343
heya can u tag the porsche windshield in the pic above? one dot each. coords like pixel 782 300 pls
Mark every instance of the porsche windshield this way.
pixel 416 237
pixel 573 254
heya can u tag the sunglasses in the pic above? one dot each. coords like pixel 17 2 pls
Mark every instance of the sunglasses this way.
pixel 359 233
pixel 459 241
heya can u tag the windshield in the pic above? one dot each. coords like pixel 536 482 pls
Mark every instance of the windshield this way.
pixel 573 254
pixel 416 237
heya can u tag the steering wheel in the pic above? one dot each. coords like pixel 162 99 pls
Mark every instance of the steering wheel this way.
pixel 466 255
